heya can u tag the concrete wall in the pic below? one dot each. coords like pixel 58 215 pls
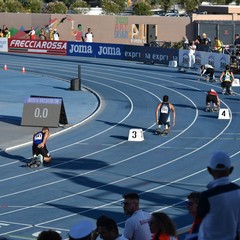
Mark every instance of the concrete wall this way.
pixel 107 29
pixel 111 29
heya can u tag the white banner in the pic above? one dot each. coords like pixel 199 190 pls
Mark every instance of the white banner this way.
pixel 217 60
pixel 3 44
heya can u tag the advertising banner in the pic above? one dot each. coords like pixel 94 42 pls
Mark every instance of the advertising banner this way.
pixel 217 60
pixel 3 44
pixel 37 46
pixel 123 52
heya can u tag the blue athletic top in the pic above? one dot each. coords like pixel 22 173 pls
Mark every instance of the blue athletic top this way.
pixel 38 137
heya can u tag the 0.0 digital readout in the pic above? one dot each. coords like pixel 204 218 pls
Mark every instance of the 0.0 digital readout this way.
pixel 38 113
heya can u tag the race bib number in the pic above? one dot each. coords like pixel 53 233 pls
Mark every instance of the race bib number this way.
pixel 164 109
pixel 38 137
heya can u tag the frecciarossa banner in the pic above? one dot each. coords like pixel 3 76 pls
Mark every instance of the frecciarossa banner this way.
pixel 123 52
pixel 37 46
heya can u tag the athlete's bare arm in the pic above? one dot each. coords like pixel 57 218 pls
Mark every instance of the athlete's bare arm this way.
pixel 174 113
pixel 46 136
pixel 157 112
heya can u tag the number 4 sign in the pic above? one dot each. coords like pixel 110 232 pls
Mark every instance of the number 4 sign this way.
pixel 224 113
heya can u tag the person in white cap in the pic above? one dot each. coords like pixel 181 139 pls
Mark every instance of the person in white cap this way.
pixel 81 231
pixel 136 226
pixel 212 97
pixel 220 204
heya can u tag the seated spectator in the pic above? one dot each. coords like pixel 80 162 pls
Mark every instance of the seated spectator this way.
pixel 1 33
pixel 81 231
pixel 192 203
pixel 162 227
pixel 49 235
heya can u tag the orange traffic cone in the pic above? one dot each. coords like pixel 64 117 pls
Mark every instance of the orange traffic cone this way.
pixel 23 70
pixel 5 67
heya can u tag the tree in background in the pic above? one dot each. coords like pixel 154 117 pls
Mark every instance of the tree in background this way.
pixel 34 6
pixel 2 6
pixel 68 3
pixel 166 4
pixel 142 8
pixel 56 7
pixel 190 5
pixel 113 6
pixel 13 6
pixel 76 7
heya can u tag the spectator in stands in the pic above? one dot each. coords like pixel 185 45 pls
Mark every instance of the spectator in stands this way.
pixel 237 40
pixel 50 33
pixel 206 40
pixel 81 231
pixel 89 36
pixel 55 35
pixel 6 32
pixel 185 42
pixel 217 45
pixel 198 44
pixel 206 47
pixel 108 230
pixel 136 226
pixel 192 204
pixel 32 33
pixel 42 35
pixel 199 39
pixel 1 33
pixel 219 205
pixel 162 227
pixel 49 235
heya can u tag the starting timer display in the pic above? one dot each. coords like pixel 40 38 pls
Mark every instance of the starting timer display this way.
pixel 43 111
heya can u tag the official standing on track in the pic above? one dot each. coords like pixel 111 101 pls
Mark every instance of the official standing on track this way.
pixel 163 118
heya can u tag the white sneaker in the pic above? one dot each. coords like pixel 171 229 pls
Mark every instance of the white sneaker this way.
pixel 40 158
